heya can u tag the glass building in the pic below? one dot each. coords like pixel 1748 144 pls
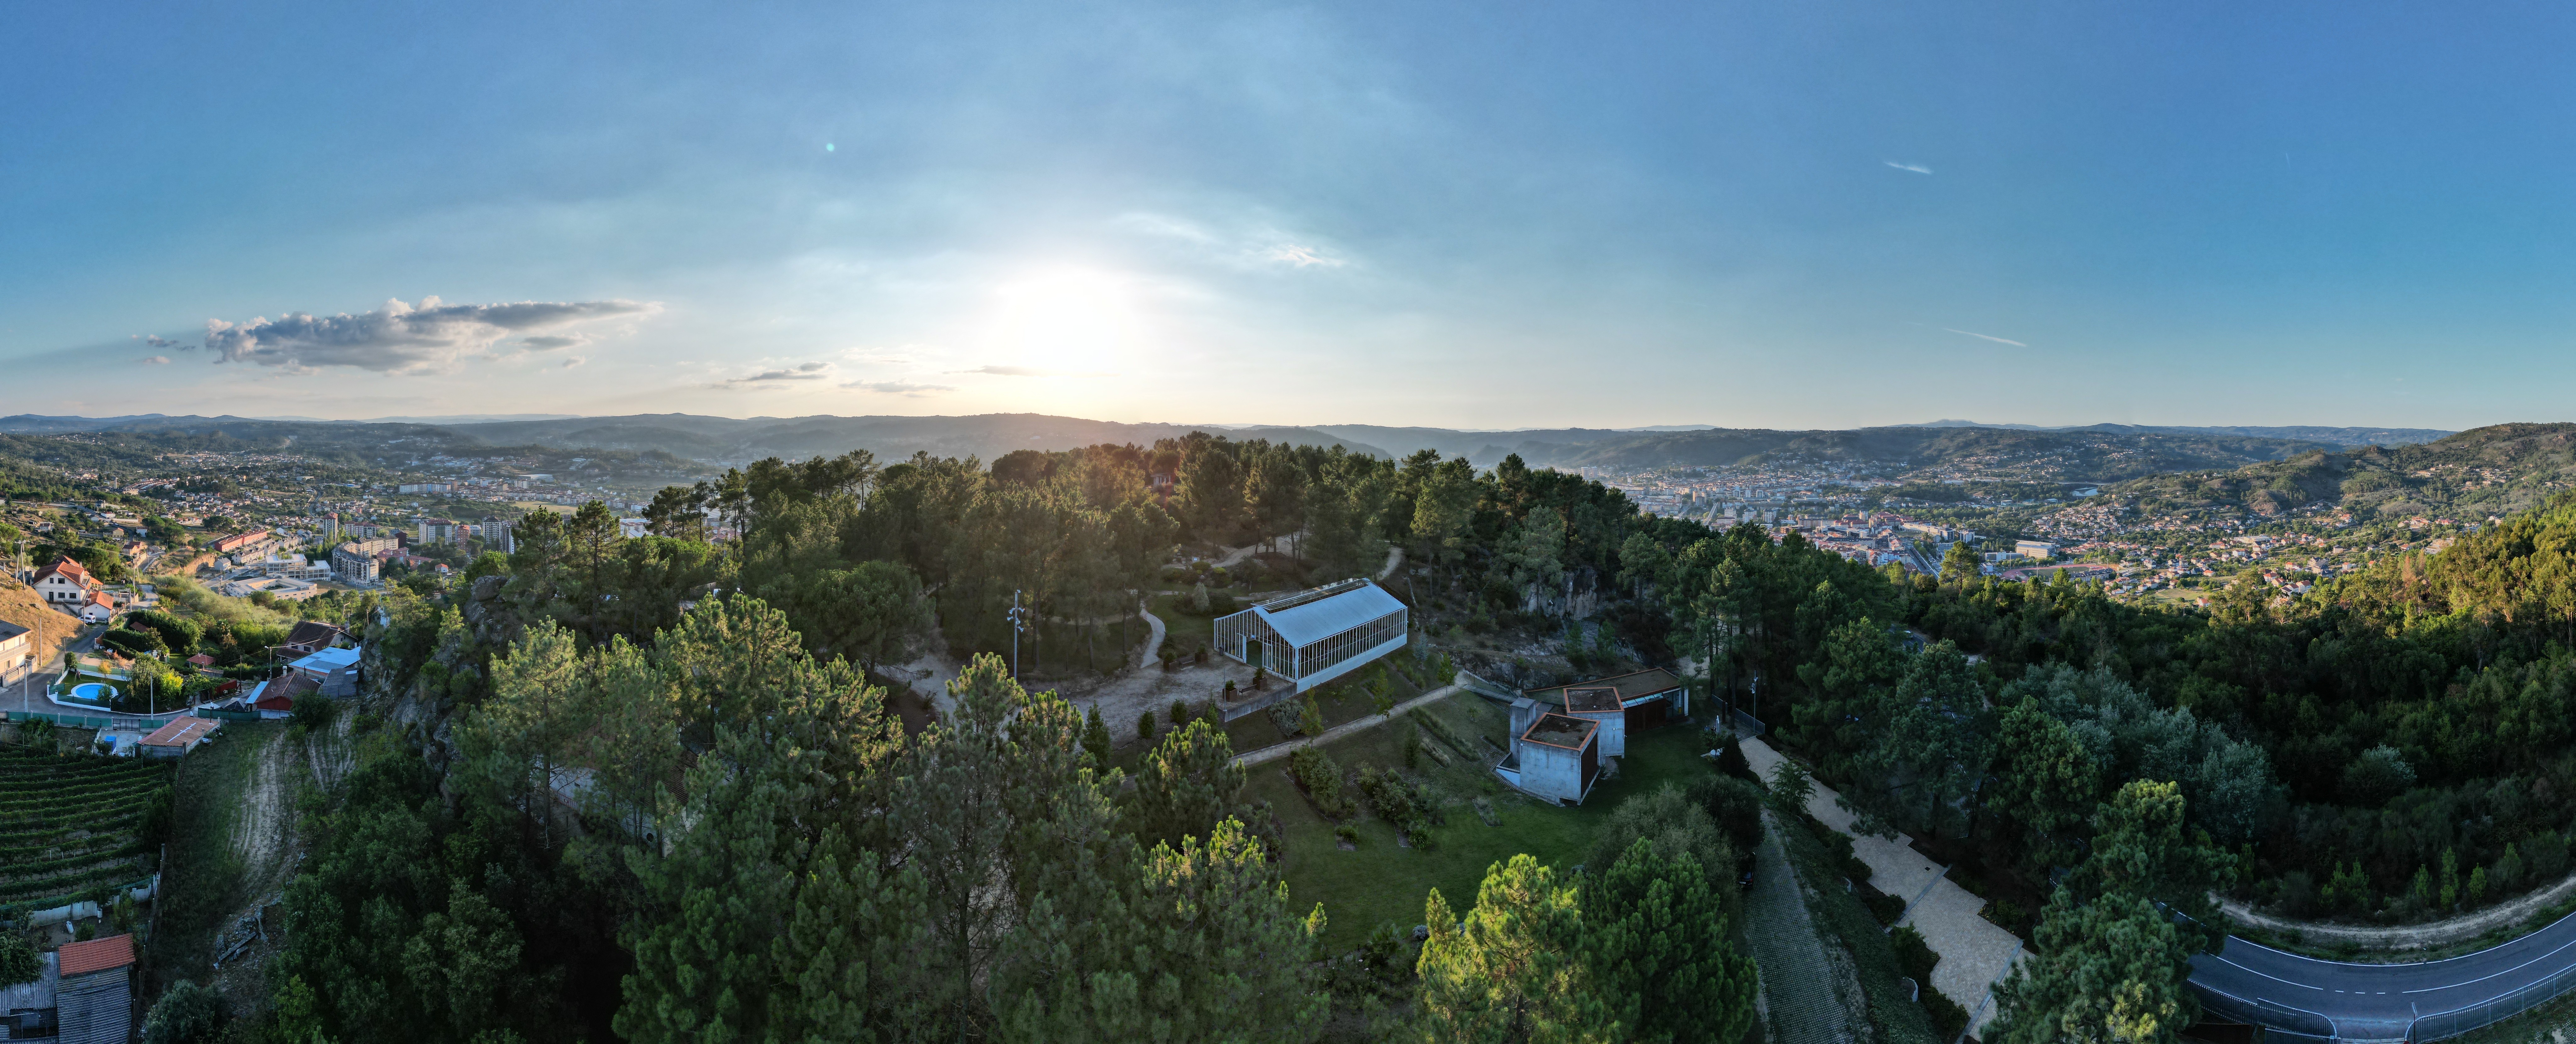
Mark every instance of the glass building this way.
pixel 1315 636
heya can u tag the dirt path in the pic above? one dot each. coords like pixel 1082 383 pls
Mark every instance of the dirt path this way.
pixel 1277 751
pixel 264 829
pixel 1153 646
pixel 2412 936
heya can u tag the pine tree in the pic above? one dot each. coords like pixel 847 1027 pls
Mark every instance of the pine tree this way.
pixel 1514 969
pixel 1655 934
pixel 1095 739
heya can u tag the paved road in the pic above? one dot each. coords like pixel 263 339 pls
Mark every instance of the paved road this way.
pixel 2427 1000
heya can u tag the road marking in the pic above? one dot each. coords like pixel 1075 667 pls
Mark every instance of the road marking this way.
pixel 2274 978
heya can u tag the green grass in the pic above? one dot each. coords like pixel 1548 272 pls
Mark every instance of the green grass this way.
pixel 204 879
pixel 1184 629
pixel 1381 882
pixel 1899 1019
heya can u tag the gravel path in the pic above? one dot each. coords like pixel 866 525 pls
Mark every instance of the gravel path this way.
pixel 1797 980
pixel 1975 952
pixel 1277 751
pixel 2412 936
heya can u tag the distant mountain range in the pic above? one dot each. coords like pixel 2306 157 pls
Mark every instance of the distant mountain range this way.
pixel 2100 452
pixel 2303 433
pixel 2500 470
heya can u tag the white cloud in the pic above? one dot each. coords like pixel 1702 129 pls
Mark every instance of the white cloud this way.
pixel 433 337
pixel 898 388
pixel 1915 167
pixel 1986 337
pixel 157 360
pixel 812 371
pixel 550 342
pixel 575 361
pixel 1303 257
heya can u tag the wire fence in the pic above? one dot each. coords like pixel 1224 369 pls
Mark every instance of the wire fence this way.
pixel 78 721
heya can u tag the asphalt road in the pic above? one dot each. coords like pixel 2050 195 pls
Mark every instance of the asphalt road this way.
pixel 2427 1000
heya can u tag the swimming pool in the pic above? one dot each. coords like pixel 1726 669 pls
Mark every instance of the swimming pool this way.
pixel 94 694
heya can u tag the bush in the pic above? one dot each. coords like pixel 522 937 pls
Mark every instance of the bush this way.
pixel 188 1014
pixel 1913 956
pixel 1410 809
pixel 1948 1018
pixel 313 711
pixel 1145 728
pixel 18 960
pixel 1735 805
pixel 1316 773
pixel 1349 835
pixel 1887 908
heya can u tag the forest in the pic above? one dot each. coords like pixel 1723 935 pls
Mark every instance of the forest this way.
pixel 650 788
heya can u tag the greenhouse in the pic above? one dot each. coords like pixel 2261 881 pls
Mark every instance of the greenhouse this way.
pixel 1315 636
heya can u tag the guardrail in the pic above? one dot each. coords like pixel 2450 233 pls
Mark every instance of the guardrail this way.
pixel 2441 1024
pixel 2282 1020
pixel 1484 688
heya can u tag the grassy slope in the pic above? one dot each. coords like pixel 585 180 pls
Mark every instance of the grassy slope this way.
pixel 204 879
pixel 1381 882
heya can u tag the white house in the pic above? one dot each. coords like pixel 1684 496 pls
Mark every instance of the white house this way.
pixel 64 583
pixel 99 607
pixel 2034 548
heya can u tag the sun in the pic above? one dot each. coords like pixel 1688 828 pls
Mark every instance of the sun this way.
pixel 1067 320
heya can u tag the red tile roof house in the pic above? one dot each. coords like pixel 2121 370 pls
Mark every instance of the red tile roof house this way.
pixel 97 608
pixel 94 1000
pixel 64 582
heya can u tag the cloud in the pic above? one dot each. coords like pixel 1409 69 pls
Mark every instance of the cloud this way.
pixel 160 342
pixel 898 388
pixel 550 342
pixel 812 371
pixel 400 338
pixel 1985 337
pixel 1915 167
pixel 156 360
pixel 1010 371
pixel 1303 257
pixel 575 361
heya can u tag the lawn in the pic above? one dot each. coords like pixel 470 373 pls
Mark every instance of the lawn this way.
pixel 1340 703
pixel 1381 882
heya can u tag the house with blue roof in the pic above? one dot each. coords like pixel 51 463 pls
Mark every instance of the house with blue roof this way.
pixel 335 670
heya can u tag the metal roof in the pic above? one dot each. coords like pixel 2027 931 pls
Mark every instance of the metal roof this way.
pixel 1306 623
pixel 327 660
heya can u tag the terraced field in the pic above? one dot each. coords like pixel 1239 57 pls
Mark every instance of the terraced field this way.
pixel 71 824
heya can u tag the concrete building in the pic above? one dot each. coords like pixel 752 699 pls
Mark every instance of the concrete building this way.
pixel 1315 636
pixel 630 528
pixel 1622 703
pixel 438 531
pixel 1555 757
pixel 2034 549
pixel 294 567
pixel 499 535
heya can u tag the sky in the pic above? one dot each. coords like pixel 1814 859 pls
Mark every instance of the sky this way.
pixel 1460 215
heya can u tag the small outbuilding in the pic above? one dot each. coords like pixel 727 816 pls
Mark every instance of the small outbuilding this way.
pixel 1315 636
pixel 178 737
pixel 30 1005
pixel 94 999
pixel 1557 757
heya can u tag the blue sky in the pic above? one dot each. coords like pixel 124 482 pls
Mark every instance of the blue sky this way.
pixel 1469 215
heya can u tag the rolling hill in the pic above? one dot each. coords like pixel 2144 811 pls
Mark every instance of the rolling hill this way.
pixel 2492 470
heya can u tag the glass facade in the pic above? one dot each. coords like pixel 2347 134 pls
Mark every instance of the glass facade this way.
pixel 1245 636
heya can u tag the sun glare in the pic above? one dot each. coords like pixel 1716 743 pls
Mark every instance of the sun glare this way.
pixel 1069 320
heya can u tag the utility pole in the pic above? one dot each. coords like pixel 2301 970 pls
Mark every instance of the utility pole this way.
pixel 1019 622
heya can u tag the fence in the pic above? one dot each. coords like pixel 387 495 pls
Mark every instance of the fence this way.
pixel 2441 1024
pixel 76 721
pixel 1484 688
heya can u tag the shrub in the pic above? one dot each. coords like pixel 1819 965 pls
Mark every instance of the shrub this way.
pixel 1349 835
pixel 1412 746
pixel 188 1014
pixel 1408 808
pixel 1145 728
pixel 313 711
pixel 18 960
pixel 1913 955
pixel 1181 710
pixel 1735 805
pixel 1316 773
pixel 1948 1018
pixel 1310 716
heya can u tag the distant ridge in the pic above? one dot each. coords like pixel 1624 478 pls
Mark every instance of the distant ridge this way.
pixel 2356 436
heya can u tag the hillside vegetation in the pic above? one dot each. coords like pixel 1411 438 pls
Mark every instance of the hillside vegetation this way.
pixel 2494 470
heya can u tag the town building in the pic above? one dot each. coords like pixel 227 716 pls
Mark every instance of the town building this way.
pixel 438 531
pixel 30 1005
pixel 17 648
pixel 1315 636
pixel 311 636
pixel 64 583
pixel 98 607
pixel 630 528
pixel 294 567
pixel 246 546
pixel 94 991
pixel 2034 549
pixel 333 671
pixel 499 535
